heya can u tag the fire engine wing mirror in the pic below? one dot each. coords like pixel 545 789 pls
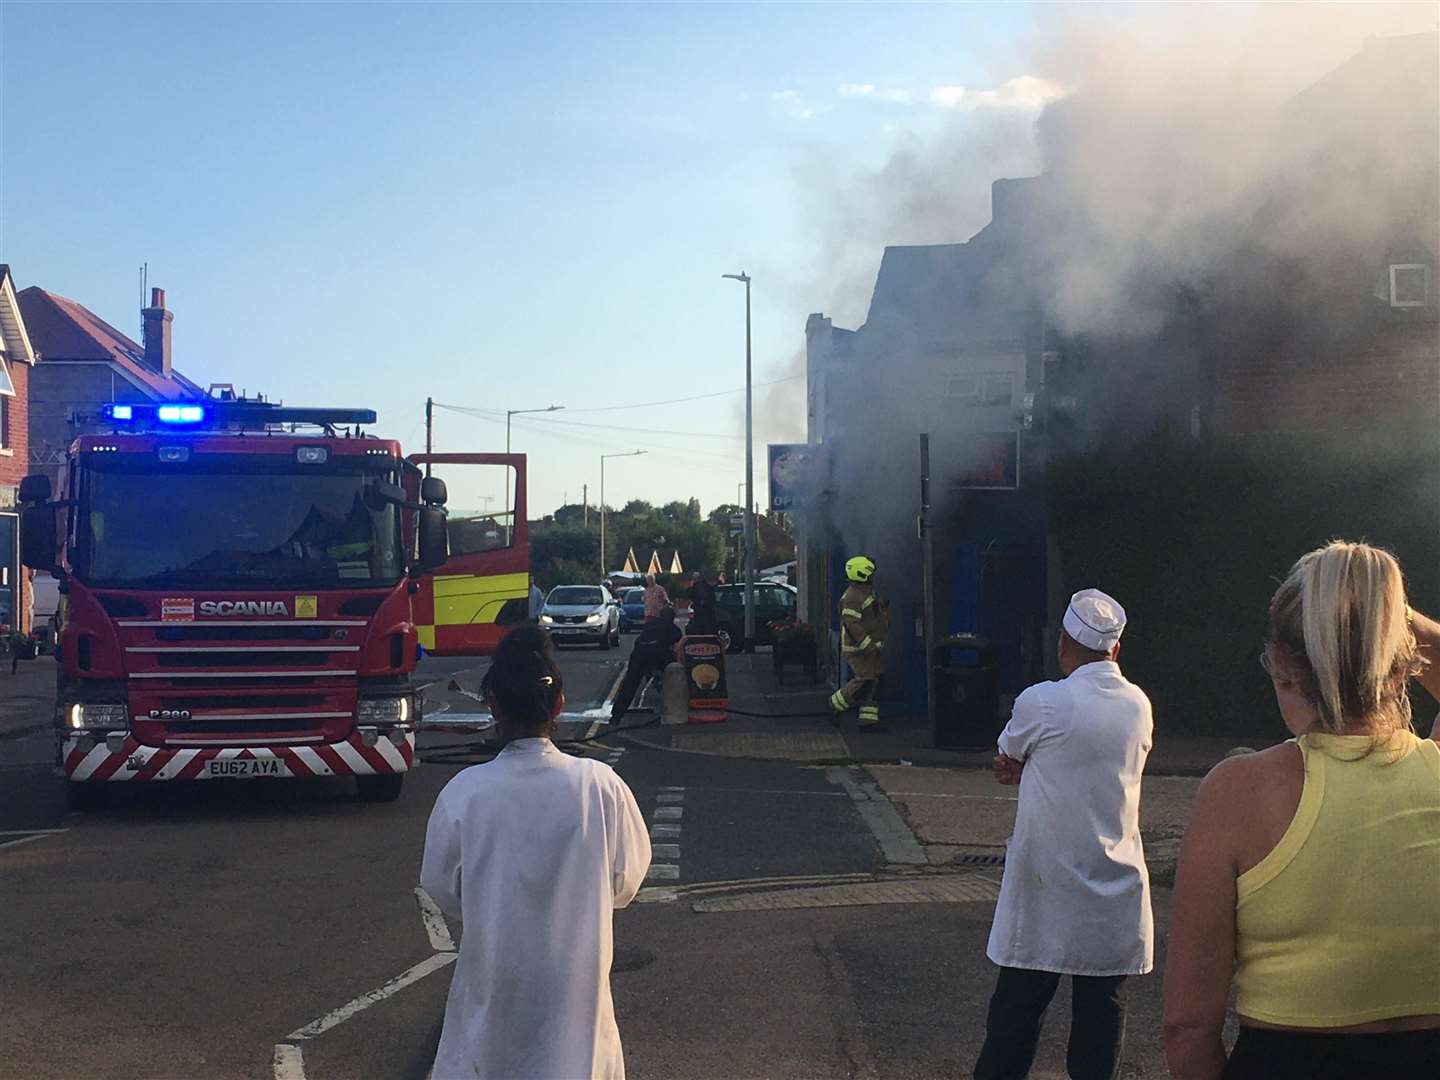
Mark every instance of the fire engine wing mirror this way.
pixel 381 494
pixel 37 535
pixel 434 538
pixel 35 489
pixel 432 491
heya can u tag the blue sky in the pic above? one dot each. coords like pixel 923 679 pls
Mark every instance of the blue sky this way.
pixel 500 206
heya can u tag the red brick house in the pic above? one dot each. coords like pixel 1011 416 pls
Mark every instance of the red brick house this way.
pixel 17 359
pixel 86 363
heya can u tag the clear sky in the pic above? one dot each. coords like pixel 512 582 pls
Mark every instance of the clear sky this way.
pixel 500 206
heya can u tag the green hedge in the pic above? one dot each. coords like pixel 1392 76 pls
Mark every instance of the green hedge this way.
pixel 1193 538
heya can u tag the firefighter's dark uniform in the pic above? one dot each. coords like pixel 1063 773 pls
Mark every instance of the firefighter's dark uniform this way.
pixel 864 620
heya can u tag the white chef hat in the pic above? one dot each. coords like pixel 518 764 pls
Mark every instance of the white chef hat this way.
pixel 1094 619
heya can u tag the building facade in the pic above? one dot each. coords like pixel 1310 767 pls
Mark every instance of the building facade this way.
pixel 17 362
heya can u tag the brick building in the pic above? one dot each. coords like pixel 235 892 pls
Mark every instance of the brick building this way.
pixel 86 363
pixel 17 362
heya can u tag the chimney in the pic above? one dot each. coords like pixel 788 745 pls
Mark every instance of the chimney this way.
pixel 157 333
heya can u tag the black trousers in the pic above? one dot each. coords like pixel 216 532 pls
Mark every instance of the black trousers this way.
pixel 1017 1011
pixel 1301 1055
pixel 636 672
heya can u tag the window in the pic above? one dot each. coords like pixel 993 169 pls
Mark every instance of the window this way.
pixel 1409 285
pixel 997 390
pixel 964 387
pixel 991 388
pixel 4 423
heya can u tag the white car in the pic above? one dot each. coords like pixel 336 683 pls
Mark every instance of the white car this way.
pixel 582 613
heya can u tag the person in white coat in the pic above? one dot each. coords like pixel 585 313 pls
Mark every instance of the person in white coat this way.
pixel 1075 896
pixel 533 851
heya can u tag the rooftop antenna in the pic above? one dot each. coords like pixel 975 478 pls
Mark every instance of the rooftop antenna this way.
pixel 144 284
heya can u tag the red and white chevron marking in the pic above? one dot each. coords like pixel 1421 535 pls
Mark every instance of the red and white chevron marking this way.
pixel 136 762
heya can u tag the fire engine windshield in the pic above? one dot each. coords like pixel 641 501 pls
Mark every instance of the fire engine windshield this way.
pixel 204 528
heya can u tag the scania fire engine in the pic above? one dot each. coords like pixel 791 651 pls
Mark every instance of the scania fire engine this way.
pixel 244 589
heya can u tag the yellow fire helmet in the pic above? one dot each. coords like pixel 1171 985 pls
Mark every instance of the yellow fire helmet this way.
pixel 860 568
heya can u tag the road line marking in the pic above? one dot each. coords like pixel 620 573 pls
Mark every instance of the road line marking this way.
pixel 670 797
pixel 27 832
pixel 897 842
pixel 656 894
pixel 427 966
pixel 665 851
pixel 660 831
pixel 288 1063
pixel 662 872
pixel 434 921
pixel 669 813
pixel 29 839
pixel 665 787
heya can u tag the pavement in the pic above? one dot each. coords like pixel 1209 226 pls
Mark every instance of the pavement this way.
pixel 789 719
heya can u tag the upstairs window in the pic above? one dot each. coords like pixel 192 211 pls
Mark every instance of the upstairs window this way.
pixel 1409 285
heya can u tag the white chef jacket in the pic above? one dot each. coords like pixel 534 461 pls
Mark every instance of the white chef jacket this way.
pixel 1075 898
pixel 533 850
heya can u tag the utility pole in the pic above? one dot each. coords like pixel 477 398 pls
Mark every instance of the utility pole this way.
pixel 927 570
pixel 744 279
pixel 429 429
pixel 585 513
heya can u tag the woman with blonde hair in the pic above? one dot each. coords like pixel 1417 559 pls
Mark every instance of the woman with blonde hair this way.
pixel 1310 871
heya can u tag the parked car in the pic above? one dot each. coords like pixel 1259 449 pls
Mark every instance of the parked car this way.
pixel 632 610
pixel 772 601
pixel 582 613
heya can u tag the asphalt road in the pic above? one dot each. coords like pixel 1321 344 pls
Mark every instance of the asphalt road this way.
pixel 186 931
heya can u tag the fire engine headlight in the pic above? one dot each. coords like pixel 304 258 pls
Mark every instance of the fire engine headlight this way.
pixel 384 710
pixel 88 716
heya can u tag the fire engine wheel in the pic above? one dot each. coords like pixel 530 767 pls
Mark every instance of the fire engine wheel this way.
pixel 379 788
pixel 87 798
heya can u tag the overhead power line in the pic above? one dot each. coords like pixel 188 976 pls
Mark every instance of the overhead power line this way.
pixel 489 414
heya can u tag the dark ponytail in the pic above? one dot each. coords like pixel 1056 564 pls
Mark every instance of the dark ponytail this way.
pixel 524 682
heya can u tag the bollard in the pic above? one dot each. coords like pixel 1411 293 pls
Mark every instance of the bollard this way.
pixel 674 695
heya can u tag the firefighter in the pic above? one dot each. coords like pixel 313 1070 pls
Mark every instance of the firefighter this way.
pixel 864 619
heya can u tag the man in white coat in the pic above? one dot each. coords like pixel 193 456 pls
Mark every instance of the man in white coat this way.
pixel 533 850
pixel 1075 898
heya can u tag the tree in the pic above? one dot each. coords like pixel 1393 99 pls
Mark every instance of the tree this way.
pixel 722 514
pixel 638 506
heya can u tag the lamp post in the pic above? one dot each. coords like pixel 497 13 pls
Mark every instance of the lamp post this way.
pixel 508 414
pixel 603 457
pixel 744 279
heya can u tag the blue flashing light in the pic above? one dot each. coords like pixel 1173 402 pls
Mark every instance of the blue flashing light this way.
pixel 180 414
pixel 121 412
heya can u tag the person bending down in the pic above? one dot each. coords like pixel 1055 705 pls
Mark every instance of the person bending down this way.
pixel 654 649
pixel 533 851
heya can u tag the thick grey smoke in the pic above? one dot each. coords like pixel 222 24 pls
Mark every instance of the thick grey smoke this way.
pixel 1189 155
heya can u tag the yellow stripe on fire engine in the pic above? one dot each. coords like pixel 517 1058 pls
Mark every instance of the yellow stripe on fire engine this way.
pixel 462 599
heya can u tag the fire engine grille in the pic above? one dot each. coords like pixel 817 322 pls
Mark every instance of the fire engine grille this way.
pixel 243 659
pixel 251 726
pixel 215 634
pixel 196 702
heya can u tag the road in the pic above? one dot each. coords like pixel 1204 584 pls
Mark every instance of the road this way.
pixel 257 929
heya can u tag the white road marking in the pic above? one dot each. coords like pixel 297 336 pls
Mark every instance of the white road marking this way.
pixel 27 835
pixel 664 787
pixel 656 894
pixel 661 831
pixel 665 851
pixel 373 997
pixel 288 1063
pixel 434 920
pixel 670 797
pixel 669 813
pixel 897 842
pixel 662 872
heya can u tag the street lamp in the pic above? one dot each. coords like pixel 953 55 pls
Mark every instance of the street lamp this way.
pixel 603 457
pixel 744 279
pixel 508 414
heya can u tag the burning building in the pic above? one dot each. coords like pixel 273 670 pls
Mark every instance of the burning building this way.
pixel 1292 310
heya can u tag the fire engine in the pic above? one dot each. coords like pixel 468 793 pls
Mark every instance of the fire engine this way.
pixel 245 590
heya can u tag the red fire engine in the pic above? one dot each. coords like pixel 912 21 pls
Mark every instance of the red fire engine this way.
pixel 245 587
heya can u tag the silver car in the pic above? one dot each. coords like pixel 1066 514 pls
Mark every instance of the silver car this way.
pixel 582 613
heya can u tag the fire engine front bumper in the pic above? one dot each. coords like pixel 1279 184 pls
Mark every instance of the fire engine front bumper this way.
pixel 121 757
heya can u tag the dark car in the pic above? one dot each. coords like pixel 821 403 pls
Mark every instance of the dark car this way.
pixel 632 610
pixel 772 601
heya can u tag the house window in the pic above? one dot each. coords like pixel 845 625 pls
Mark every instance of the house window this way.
pixel 998 389
pixel 964 387
pixel 994 388
pixel 1409 285
pixel 4 422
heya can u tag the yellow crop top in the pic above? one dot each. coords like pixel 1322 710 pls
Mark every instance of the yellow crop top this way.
pixel 1340 923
